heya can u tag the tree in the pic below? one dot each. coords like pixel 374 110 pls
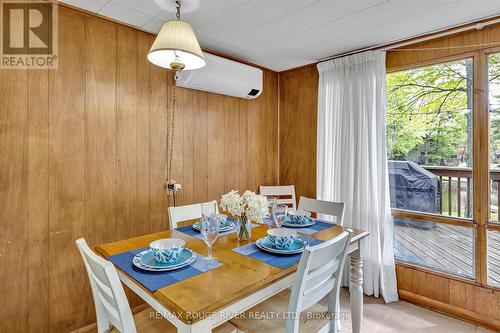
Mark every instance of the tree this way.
pixel 494 105
pixel 428 108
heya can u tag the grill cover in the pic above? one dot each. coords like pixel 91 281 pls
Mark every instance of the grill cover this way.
pixel 413 188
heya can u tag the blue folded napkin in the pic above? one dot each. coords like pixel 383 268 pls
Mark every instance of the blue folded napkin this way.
pixel 156 280
pixel 278 260
pixel 317 227
pixel 301 220
pixel 188 230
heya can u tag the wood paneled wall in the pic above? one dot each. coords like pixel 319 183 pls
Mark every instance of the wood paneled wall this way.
pixel 455 297
pixel 298 123
pixel 442 48
pixel 298 114
pixel 83 155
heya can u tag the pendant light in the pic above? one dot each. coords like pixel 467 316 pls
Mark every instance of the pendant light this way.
pixel 176 46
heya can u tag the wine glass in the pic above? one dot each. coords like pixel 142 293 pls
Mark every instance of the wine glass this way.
pixel 279 214
pixel 209 229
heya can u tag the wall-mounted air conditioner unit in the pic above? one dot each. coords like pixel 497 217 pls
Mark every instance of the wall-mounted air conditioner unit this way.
pixel 224 76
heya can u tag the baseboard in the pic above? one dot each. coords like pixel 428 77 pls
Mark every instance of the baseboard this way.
pixel 450 310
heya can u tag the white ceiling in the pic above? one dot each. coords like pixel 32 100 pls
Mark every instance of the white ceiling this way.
pixel 282 34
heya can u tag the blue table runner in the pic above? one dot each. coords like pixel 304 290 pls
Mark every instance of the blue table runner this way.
pixel 317 227
pixel 156 280
pixel 278 260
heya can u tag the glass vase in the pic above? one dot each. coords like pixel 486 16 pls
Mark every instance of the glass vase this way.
pixel 244 229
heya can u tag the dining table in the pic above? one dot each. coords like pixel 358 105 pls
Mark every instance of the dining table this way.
pixel 204 301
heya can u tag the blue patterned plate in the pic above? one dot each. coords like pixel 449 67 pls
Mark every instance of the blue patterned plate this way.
pixel 265 244
pixel 145 260
pixel 229 225
pixel 289 223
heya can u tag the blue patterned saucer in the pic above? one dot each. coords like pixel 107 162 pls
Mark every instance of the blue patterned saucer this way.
pixel 228 225
pixel 146 261
pixel 291 224
pixel 265 244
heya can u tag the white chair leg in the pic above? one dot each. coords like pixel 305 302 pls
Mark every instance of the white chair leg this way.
pixel 334 310
pixel 337 319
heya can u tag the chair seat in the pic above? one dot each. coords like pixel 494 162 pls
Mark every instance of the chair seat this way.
pixel 147 321
pixel 270 316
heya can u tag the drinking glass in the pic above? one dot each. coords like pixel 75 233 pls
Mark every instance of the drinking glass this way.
pixel 208 210
pixel 209 229
pixel 271 202
pixel 279 214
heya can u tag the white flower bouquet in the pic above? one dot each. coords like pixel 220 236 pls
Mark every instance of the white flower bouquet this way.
pixel 247 207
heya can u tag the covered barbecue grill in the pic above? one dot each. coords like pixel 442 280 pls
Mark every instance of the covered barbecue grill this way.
pixel 413 188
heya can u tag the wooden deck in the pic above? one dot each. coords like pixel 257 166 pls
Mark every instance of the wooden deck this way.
pixel 445 248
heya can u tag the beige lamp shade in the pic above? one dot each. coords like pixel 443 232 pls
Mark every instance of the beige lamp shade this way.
pixel 176 38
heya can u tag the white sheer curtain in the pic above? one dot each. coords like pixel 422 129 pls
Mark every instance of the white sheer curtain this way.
pixel 352 161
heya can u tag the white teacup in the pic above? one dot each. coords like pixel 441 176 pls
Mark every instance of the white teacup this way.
pixel 167 250
pixel 282 239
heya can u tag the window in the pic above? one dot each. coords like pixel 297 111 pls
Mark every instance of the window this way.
pixel 493 245
pixel 429 136
pixel 494 123
pixel 493 239
pixel 429 147
pixel 439 246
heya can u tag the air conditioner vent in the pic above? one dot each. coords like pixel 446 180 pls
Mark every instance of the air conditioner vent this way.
pixel 253 92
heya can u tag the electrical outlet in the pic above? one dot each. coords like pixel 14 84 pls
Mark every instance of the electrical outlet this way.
pixel 173 187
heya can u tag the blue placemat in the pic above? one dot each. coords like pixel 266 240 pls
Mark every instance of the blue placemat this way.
pixel 278 260
pixel 188 230
pixel 317 227
pixel 156 280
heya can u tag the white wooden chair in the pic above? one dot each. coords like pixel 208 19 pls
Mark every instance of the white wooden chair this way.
pixel 334 209
pixel 318 275
pixel 187 212
pixel 111 305
pixel 280 191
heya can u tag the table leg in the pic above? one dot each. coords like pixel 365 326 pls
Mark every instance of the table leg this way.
pixel 199 327
pixel 356 291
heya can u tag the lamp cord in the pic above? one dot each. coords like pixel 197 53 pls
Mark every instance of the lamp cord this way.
pixel 170 143
pixel 178 5
pixel 169 147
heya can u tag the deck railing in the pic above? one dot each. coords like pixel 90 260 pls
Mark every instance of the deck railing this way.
pixel 456 191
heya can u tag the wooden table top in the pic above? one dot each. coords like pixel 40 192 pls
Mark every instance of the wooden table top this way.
pixel 211 291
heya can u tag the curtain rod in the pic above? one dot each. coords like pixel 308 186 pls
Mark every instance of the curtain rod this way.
pixel 476 24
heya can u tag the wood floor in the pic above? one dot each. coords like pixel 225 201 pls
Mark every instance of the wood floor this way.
pixel 445 248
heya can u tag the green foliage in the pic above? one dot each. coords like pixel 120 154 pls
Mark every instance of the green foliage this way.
pixel 494 105
pixel 428 108
pixel 429 111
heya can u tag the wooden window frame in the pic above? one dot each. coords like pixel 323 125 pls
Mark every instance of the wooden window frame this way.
pixel 480 169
